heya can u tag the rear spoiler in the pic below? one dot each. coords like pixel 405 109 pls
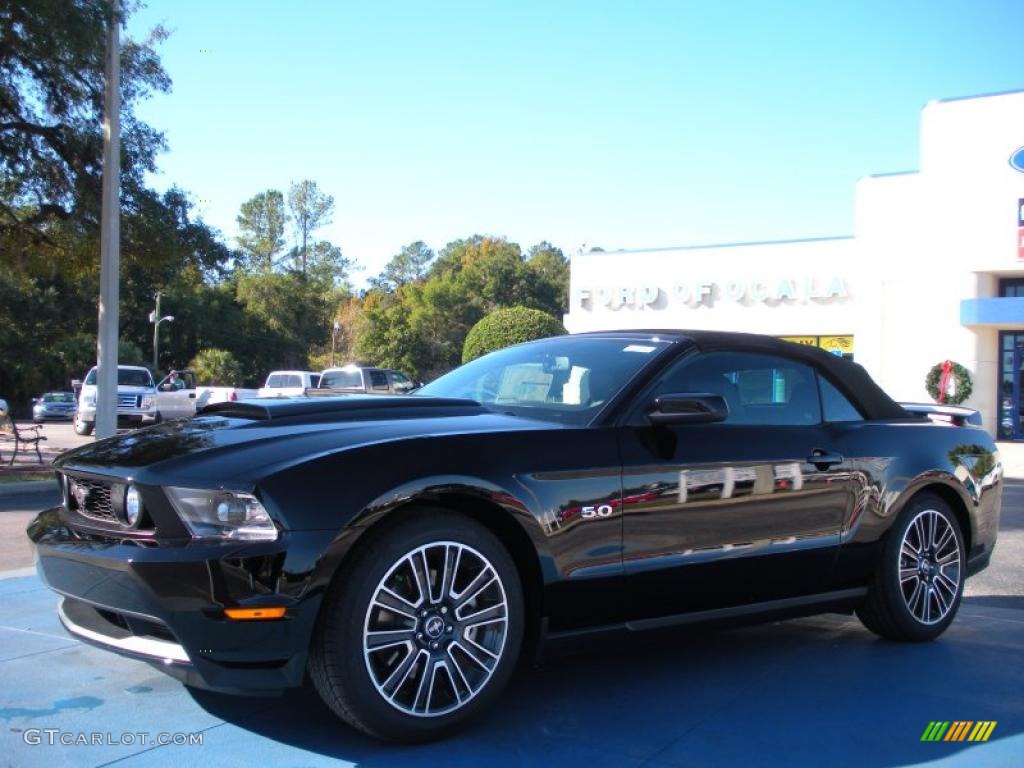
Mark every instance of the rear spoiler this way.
pixel 954 415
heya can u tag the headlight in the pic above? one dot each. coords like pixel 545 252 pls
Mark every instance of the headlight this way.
pixel 223 514
pixel 89 398
pixel 132 505
pixel 147 402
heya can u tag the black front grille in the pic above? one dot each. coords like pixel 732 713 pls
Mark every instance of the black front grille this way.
pixel 91 498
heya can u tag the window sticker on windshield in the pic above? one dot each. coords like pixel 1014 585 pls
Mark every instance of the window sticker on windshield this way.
pixel 639 348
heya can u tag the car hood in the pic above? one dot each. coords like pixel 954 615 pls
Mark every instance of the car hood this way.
pixel 241 442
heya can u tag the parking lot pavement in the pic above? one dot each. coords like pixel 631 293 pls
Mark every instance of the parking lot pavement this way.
pixel 816 691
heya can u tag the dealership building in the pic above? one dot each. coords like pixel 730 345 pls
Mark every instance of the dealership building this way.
pixel 933 272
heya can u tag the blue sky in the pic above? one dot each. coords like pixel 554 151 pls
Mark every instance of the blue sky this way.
pixel 623 125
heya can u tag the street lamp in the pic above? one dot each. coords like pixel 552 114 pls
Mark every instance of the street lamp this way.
pixel 156 336
pixel 334 338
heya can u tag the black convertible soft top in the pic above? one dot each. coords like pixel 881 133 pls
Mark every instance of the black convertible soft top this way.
pixel 848 377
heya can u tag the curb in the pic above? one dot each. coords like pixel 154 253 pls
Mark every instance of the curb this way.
pixel 28 487
pixel 18 573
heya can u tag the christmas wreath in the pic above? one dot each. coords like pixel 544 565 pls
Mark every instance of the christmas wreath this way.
pixel 948 382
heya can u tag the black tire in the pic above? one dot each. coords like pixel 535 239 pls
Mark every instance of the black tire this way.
pixel 342 673
pixel 910 598
pixel 83 427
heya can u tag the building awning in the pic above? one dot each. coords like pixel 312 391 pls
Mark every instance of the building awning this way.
pixel 1006 312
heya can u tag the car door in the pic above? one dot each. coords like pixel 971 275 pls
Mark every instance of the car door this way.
pixel 377 381
pixel 400 383
pixel 176 395
pixel 735 512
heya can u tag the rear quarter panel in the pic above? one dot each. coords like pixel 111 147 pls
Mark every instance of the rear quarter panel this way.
pixel 896 460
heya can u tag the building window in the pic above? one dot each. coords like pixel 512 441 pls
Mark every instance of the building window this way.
pixel 1011 421
pixel 1011 288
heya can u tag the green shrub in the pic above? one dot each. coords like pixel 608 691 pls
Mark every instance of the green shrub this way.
pixel 216 367
pixel 506 327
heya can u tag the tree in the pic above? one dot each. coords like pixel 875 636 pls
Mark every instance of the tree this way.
pixel 328 264
pixel 261 223
pixel 551 276
pixel 409 265
pixel 311 209
pixel 216 367
pixel 506 327
pixel 51 103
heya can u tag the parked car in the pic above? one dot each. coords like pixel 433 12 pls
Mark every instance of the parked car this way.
pixel 362 380
pixel 54 406
pixel 3 407
pixel 136 396
pixel 288 383
pixel 404 551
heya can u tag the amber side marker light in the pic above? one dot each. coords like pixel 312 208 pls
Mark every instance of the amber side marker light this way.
pixel 245 614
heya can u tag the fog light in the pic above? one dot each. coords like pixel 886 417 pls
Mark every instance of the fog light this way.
pixel 132 505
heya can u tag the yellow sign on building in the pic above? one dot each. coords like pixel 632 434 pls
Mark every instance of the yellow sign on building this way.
pixel 837 345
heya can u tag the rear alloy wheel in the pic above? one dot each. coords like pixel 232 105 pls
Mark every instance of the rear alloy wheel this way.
pixel 422 635
pixel 917 589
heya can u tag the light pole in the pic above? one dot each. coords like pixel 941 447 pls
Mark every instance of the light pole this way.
pixel 156 336
pixel 334 338
pixel 110 234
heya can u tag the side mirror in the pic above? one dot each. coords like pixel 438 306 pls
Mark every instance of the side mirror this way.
pixel 688 408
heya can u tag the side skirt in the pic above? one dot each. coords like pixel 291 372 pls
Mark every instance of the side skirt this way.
pixel 842 600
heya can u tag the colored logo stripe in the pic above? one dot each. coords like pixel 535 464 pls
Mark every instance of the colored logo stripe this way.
pixel 958 730
pixel 982 731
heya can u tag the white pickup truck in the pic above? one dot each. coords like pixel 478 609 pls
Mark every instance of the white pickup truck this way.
pixel 178 396
pixel 140 401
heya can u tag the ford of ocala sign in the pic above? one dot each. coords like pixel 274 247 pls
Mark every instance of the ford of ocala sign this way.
pixel 1017 160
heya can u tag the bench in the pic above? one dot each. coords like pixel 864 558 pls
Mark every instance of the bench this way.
pixel 28 436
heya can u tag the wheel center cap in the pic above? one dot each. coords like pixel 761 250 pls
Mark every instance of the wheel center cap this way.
pixel 433 627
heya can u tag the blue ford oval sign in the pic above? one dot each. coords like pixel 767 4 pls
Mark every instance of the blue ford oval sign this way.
pixel 1017 160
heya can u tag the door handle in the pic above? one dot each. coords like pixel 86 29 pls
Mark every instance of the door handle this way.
pixel 822 459
pixel 192 396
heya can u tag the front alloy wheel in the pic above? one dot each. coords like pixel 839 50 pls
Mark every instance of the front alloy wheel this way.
pixel 435 629
pixel 421 630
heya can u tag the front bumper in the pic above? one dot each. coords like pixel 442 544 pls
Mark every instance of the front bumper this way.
pixel 165 604
pixel 53 415
pixel 125 415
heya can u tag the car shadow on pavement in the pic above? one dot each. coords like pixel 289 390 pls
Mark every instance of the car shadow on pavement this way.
pixel 789 692
pixel 1011 602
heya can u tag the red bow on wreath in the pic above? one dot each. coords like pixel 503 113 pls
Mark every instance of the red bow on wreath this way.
pixel 947 370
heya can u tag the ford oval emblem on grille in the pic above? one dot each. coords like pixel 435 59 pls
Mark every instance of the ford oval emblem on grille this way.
pixel 1017 160
pixel 81 494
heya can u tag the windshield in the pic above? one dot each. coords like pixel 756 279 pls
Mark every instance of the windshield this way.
pixel 58 397
pixel 126 377
pixel 564 379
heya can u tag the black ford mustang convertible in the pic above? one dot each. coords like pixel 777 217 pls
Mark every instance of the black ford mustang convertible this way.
pixel 407 550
